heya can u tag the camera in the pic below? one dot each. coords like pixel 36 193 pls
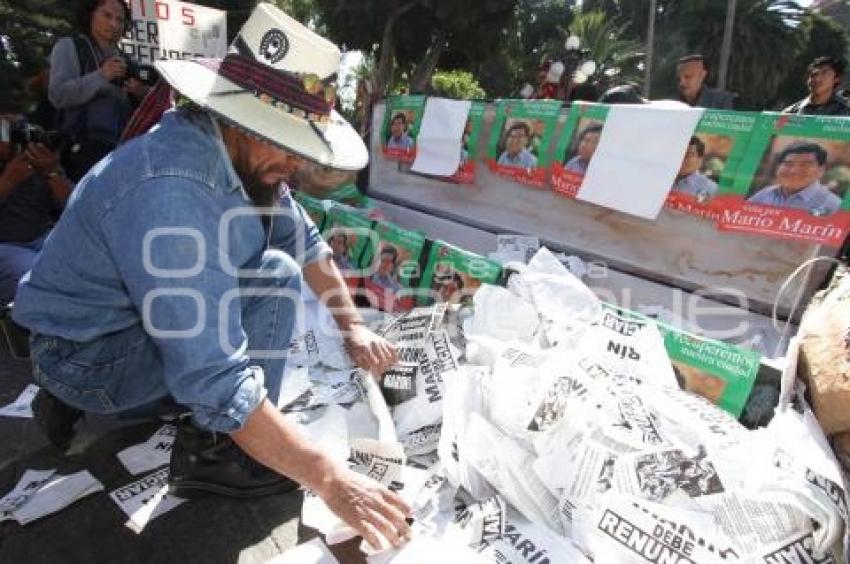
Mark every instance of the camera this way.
pixel 145 73
pixel 21 132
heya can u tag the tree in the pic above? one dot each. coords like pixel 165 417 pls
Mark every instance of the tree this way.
pixel 604 42
pixel 457 84
pixel 412 35
pixel 29 30
pixel 767 35
pixel 821 37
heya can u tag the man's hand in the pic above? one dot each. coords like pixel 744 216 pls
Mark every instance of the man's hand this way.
pixel 42 159
pixel 17 170
pixel 368 350
pixel 367 507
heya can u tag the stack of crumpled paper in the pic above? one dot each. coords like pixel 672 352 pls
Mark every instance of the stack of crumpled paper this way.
pixel 542 427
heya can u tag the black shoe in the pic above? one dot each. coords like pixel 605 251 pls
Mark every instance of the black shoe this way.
pixel 204 462
pixel 56 419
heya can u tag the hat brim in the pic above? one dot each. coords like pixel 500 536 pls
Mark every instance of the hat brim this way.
pixel 334 144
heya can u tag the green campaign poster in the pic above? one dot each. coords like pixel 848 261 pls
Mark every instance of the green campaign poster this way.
pixel 395 269
pixel 722 373
pixel 576 146
pixel 519 145
pixel 793 181
pixel 315 208
pixel 352 239
pixel 452 274
pixel 401 126
pixel 712 161
pixel 469 145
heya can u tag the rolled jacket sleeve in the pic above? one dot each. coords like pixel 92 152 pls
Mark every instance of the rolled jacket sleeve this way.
pixel 295 233
pixel 164 240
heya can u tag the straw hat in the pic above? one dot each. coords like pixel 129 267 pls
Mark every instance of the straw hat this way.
pixel 276 83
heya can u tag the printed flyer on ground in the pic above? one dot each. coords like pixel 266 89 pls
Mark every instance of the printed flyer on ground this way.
pixel 793 181
pixel 401 125
pixel 576 146
pixel 713 158
pixel 469 145
pixel 453 275
pixel 519 144
pixel 395 270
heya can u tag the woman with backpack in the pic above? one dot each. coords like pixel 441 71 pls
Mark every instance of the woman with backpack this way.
pixel 89 84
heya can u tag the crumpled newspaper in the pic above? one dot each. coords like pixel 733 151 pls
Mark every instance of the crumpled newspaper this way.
pixel 561 435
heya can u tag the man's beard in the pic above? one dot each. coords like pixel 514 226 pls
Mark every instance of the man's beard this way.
pixel 261 195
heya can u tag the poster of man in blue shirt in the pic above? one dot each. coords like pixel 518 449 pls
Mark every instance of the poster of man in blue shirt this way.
pixel 797 181
pixel 516 151
pixel 399 139
pixel 689 179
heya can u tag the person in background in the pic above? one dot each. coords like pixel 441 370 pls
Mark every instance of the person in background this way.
pixel 33 191
pixel 587 142
pixel 549 81
pixel 516 151
pixel 690 180
pixel 823 81
pixel 799 169
pixel 691 72
pixel 89 85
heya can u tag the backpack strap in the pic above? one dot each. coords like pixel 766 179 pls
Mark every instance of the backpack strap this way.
pixel 86 56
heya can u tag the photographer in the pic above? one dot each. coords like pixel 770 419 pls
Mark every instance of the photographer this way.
pixel 90 84
pixel 33 191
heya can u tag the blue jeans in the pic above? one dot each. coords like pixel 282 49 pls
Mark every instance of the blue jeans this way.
pixel 15 260
pixel 123 371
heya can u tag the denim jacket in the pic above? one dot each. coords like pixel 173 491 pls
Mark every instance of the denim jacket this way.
pixel 159 233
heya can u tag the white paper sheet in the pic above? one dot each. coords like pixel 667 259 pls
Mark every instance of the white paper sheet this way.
pixel 312 552
pixel 631 170
pixel 29 483
pixel 55 495
pixel 22 406
pixel 439 141
pixel 153 453
pixel 145 499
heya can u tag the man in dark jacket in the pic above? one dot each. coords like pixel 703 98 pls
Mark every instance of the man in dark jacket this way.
pixel 692 72
pixel 823 79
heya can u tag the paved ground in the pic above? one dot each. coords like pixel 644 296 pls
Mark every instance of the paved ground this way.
pixel 212 530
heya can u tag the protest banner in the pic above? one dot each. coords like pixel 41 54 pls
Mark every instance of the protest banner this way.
pixel 519 145
pixel 169 29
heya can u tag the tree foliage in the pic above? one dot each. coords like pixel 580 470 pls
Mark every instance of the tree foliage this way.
pixel 606 42
pixel 28 30
pixel 821 37
pixel 411 35
pixel 457 84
